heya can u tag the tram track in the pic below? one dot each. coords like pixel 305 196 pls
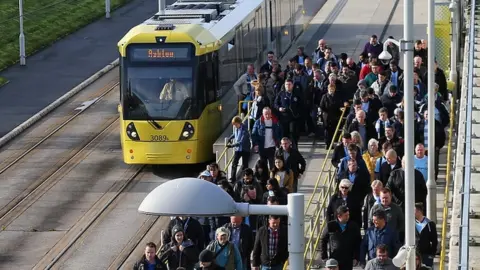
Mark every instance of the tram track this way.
pixel 107 202
pixel 34 190
pixel 98 96
pixel 37 189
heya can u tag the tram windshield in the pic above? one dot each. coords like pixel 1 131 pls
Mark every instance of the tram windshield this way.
pixel 158 82
pixel 160 92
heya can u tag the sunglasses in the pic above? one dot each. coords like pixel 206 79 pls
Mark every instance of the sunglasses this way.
pixel 344 187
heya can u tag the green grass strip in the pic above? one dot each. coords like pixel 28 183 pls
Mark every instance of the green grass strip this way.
pixel 3 81
pixel 45 21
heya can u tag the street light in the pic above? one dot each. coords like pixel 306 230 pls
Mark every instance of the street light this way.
pixel 21 37
pixel 200 198
pixel 161 6
pixel 406 47
pixel 385 56
pixel 431 183
pixel 107 9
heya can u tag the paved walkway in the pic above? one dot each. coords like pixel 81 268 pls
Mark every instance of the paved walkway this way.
pixel 54 71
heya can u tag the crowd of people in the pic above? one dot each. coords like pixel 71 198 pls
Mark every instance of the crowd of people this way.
pixel 309 96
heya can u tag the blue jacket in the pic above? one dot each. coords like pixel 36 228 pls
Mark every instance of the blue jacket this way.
pixel 373 237
pixel 258 132
pixel 241 139
pixel 225 254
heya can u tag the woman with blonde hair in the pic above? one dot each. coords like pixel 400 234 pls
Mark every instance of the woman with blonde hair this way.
pixel 370 157
pixel 357 139
pixel 260 101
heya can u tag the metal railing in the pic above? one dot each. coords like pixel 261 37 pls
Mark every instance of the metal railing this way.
pixel 448 177
pixel 225 156
pixel 465 215
pixel 320 197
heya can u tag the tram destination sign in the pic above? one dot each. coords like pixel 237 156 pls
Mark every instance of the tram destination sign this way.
pixel 152 54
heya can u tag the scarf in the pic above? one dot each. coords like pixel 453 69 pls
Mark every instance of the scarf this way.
pixel 380 126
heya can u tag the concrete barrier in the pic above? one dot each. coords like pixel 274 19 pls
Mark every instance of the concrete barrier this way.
pixel 32 120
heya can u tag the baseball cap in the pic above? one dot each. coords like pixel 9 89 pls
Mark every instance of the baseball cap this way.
pixel 331 263
pixel 206 174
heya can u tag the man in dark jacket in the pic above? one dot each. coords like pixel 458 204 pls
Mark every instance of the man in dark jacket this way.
pixel 289 104
pixel 248 190
pixel 394 215
pixel 266 254
pixel 241 235
pixel 396 183
pixel 426 236
pixel 192 228
pixel 341 150
pixel 390 99
pixel 360 125
pixel 387 167
pixel 352 154
pixel 390 136
pixel 150 260
pixel 344 238
pixel 293 160
pixel 379 233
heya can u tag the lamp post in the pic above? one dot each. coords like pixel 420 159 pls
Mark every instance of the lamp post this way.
pixel 21 37
pixel 107 9
pixel 161 6
pixel 217 202
pixel 431 97
pixel 453 7
pixel 406 46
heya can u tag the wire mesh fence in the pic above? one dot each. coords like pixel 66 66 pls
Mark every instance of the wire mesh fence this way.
pixel 45 21
pixel 442 34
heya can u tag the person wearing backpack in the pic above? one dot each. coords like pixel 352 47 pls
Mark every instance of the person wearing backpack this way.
pixel 227 254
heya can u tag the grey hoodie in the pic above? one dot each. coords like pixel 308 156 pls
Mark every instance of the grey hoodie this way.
pixel 374 264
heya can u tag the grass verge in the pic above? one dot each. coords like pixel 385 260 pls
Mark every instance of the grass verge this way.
pixel 45 21
pixel 3 81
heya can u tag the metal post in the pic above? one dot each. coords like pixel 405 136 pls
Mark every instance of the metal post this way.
pixel 107 9
pixel 409 130
pixel 296 239
pixel 21 37
pixel 312 235
pixel 226 157
pixel 431 183
pixel 454 41
pixel 161 6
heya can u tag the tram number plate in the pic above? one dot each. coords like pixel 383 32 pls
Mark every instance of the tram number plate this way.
pixel 159 138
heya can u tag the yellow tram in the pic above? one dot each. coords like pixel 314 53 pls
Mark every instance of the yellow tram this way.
pixel 177 70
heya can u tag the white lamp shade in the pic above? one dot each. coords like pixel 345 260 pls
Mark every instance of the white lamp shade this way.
pixel 188 197
pixel 385 55
pixel 401 257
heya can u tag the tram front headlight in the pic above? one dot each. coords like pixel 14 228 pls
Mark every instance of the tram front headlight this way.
pixel 187 131
pixel 132 132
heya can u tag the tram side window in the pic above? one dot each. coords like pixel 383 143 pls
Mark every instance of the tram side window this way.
pixel 209 82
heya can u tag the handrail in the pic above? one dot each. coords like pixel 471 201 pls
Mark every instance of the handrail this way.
pixel 322 195
pixel 332 188
pixel 447 185
pixel 309 203
pixel 224 154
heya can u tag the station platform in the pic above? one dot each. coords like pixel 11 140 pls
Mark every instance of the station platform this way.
pixel 347 26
